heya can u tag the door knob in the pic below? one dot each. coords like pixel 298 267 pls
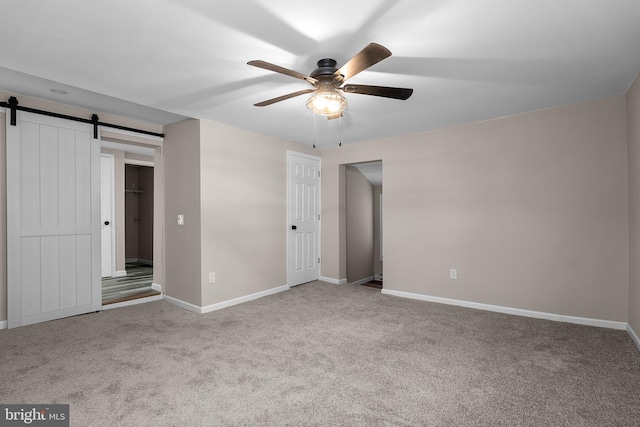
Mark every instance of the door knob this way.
pixel 293 227
pixel 106 223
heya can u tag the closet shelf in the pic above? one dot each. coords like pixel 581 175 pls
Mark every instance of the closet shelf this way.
pixel 134 191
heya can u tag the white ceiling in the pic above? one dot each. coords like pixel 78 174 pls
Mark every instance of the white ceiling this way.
pixel 372 171
pixel 162 60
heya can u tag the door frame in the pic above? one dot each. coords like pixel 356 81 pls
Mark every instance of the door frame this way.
pixel 127 138
pixel 112 166
pixel 312 157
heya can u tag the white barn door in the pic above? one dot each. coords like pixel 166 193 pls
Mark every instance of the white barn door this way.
pixel 304 219
pixel 53 219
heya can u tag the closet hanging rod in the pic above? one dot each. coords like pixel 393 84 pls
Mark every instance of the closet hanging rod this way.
pixel 13 105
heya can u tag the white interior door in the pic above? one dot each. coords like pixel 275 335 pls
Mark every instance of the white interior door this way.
pixel 106 214
pixel 53 219
pixel 304 219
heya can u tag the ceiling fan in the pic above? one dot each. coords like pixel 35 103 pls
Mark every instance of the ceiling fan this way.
pixel 328 82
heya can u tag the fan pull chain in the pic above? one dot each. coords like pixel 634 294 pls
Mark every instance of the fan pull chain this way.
pixel 314 130
pixel 340 131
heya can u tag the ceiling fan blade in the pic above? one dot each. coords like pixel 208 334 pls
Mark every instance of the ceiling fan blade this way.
pixel 283 97
pixel 384 91
pixel 370 55
pixel 282 70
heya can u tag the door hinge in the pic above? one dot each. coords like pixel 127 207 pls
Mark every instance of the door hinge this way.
pixel 318 174
pixel 318 260
pixel 318 217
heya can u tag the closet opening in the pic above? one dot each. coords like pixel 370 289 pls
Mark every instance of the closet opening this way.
pixel 363 195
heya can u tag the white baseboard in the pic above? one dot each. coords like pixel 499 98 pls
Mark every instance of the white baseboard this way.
pixel 363 281
pixel 132 302
pixel 508 310
pixel 240 300
pixel 156 287
pixel 120 273
pixel 333 281
pixel 634 336
pixel 3 324
pixel 224 304
pixel 183 304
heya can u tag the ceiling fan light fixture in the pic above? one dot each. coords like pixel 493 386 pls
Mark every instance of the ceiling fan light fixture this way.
pixel 327 102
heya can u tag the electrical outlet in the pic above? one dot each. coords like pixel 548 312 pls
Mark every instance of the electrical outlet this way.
pixel 212 277
pixel 180 219
pixel 453 273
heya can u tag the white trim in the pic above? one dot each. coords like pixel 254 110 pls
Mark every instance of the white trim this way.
pixel 156 287
pixel 182 304
pixel 224 304
pixel 112 214
pixel 634 336
pixel 333 281
pixel 3 324
pixel 514 311
pixel 363 281
pixel 120 273
pixel 148 139
pixel 299 154
pixel 132 302
pixel 246 298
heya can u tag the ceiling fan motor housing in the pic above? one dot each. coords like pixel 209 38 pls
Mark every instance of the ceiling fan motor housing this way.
pixel 325 71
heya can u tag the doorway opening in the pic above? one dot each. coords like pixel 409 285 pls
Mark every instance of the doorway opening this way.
pixel 138 200
pixel 363 191
pixel 133 225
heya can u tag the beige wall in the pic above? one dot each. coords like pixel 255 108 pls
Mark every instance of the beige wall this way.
pixel 243 195
pixel 145 213
pixel 633 135
pixel 531 209
pixel 359 193
pixel 377 262
pixel 182 197
pixel 158 218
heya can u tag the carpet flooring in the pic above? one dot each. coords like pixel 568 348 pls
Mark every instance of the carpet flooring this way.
pixel 323 355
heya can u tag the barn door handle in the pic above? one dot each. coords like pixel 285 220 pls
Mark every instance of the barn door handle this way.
pixel 293 227
pixel 106 223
